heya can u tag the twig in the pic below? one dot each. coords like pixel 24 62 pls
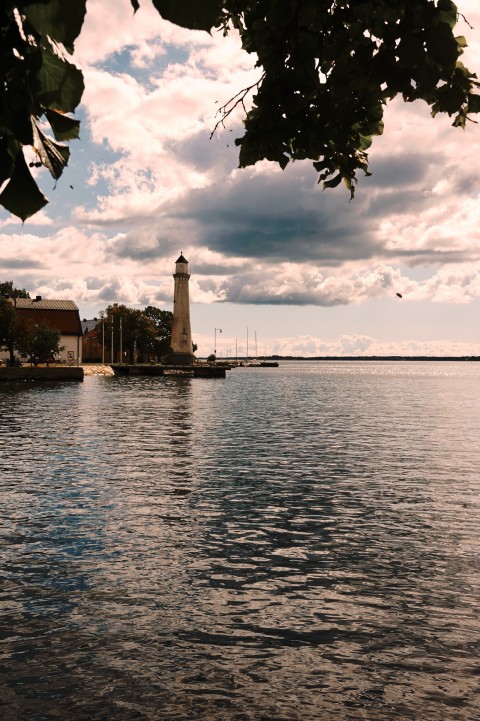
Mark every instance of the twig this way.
pixel 230 105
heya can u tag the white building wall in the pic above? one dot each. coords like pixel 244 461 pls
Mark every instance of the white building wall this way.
pixel 71 353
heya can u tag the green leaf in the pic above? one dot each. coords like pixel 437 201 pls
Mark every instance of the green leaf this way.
pixel 64 127
pixel 333 182
pixel 249 152
pixel 53 156
pixel 60 83
pixel 474 103
pixel 6 160
pixel 60 20
pixel 350 185
pixel 22 196
pixel 365 141
pixel 135 5
pixel 450 99
pixel 447 12
pixel 193 14
pixel 441 45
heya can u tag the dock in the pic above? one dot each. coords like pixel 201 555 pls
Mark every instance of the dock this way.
pixel 35 373
pixel 192 371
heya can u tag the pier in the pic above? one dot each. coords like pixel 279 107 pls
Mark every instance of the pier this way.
pixel 195 371
pixel 34 373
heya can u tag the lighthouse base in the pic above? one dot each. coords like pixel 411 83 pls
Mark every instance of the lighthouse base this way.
pixel 180 359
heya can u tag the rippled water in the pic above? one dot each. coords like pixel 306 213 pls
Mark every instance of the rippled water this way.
pixel 299 543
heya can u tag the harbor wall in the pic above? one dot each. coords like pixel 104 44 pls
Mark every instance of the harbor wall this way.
pixel 64 373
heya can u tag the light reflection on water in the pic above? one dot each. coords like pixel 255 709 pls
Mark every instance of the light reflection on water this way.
pixel 285 544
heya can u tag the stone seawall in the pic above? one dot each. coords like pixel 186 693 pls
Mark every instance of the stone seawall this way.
pixel 55 373
pixel 98 370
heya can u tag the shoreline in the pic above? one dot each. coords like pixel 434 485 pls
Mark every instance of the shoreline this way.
pixel 97 369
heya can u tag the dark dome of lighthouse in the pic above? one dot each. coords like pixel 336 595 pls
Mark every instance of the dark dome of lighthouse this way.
pixel 181 259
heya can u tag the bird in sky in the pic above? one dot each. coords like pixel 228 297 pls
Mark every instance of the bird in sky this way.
pixel 400 295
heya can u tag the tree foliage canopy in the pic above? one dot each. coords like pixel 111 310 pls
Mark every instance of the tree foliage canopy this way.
pixel 40 343
pixel 146 333
pixel 7 290
pixel 14 329
pixel 326 71
pixel 37 83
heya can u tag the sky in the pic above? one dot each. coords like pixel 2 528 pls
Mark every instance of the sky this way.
pixel 304 271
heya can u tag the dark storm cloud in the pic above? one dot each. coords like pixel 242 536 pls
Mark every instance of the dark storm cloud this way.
pixel 94 283
pixel 467 183
pixel 161 297
pixel 22 264
pixel 237 292
pixel 147 241
pixel 261 215
pixel 393 202
pixel 110 292
pixel 278 216
pixel 205 152
pixel 256 216
pixel 213 269
pixel 429 257
pixel 401 184
pixel 396 171
pixel 128 247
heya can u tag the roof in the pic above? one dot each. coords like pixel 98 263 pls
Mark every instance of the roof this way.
pixel 88 325
pixel 62 315
pixel 181 259
pixel 45 304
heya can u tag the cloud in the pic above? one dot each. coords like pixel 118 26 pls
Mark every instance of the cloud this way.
pixel 171 181
pixel 310 346
pixel 22 264
pixel 295 285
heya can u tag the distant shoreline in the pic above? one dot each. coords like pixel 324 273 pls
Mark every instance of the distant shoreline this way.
pixel 366 358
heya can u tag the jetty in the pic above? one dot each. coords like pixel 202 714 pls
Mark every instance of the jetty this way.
pixel 39 373
pixel 192 371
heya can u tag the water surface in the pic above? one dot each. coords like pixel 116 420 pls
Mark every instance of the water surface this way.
pixel 287 544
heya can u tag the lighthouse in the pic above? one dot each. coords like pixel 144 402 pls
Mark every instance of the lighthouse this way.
pixel 181 352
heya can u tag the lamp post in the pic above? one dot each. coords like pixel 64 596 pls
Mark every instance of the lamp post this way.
pixel 121 340
pixel 10 343
pixel 215 344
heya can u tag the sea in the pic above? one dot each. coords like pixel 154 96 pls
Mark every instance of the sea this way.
pixel 297 543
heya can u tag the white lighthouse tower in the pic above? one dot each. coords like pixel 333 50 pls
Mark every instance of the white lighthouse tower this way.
pixel 181 352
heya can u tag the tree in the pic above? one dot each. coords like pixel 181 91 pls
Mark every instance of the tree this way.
pixel 326 71
pixel 134 331
pixel 37 84
pixel 162 320
pixel 14 329
pixel 7 290
pixel 40 343
pixel 7 328
pixel 143 332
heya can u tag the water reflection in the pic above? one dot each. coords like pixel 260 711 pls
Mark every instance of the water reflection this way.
pixel 300 544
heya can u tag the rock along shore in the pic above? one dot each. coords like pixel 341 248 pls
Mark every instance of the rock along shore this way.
pixel 98 370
